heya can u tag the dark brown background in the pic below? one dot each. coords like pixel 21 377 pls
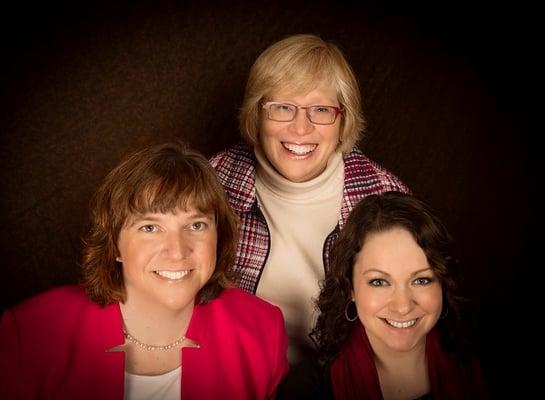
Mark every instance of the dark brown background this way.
pixel 446 92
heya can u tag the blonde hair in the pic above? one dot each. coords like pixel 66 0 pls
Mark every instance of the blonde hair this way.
pixel 300 63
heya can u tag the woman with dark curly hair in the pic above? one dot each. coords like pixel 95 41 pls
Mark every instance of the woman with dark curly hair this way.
pixel 389 324
pixel 157 316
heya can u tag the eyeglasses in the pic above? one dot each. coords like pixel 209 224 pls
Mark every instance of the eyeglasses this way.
pixel 286 112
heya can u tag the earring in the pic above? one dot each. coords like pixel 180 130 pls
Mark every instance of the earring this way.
pixel 118 259
pixel 355 317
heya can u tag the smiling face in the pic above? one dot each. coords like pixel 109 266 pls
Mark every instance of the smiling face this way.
pixel 167 257
pixel 299 150
pixel 398 296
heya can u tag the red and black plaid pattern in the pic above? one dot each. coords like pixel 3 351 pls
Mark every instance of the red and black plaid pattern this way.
pixel 235 168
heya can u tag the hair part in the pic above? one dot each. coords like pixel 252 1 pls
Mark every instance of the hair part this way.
pixel 157 179
pixel 299 64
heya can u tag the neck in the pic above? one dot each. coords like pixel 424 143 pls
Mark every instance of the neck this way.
pixel 390 359
pixel 400 361
pixel 155 325
pixel 402 374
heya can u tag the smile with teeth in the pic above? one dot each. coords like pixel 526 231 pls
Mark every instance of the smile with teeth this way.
pixel 400 324
pixel 173 275
pixel 299 149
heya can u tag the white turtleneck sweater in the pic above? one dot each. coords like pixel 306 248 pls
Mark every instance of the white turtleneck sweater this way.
pixel 300 216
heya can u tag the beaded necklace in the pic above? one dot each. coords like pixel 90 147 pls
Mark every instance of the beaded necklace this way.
pixel 151 347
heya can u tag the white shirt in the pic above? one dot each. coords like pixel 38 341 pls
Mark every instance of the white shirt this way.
pixel 154 387
pixel 300 216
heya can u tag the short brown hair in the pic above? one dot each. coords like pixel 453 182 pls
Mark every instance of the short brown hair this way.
pixel 300 63
pixel 159 178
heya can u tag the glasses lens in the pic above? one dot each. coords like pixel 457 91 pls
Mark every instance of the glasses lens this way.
pixel 323 115
pixel 282 112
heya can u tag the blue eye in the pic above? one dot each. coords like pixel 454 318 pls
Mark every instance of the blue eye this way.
pixel 148 228
pixel 198 226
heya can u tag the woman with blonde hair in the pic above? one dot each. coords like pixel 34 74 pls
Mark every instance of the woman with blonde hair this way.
pixel 297 175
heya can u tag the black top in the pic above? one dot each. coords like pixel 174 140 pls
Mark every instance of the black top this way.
pixel 307 380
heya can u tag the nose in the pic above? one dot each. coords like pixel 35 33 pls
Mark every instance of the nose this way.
pixel 177 246
pixel 301 125
pixel 402 301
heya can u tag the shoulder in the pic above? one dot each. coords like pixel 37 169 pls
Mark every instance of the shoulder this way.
pixel 239 308
pixel 239 299
pixel 59 317
pixel 358 164
pixel 363 173
pixel 230 158
pixel 52 306
pixel 65 297
pixel 241 325
pixel 235 169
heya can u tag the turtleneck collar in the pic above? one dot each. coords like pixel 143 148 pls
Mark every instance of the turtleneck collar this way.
pixel 279 185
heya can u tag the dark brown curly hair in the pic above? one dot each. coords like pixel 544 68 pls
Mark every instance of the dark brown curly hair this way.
pixel 159 178
pixel 378 213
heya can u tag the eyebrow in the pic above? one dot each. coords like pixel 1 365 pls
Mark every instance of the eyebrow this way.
pixel 387 274
pixel 150 217
pixel 326 103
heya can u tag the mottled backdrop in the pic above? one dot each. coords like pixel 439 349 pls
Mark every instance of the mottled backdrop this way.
pixel 447 93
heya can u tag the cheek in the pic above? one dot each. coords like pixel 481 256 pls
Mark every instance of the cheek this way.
pixel 265 140
pixel 366 303
pixel 332 135
pixel 367 306
pixel 432 301
pixel 123 249
pixel 209 257
pixel 437 301
pixel 135 253
pixel 266 130
pixel 208 253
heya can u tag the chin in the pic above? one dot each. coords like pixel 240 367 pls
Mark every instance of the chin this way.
pixel 403 346
pixel 177 304
pixel 300 176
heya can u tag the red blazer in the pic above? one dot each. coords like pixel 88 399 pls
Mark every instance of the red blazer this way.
pixel 55 345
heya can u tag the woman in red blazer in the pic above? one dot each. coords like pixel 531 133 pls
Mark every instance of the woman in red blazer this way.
pixel 155 317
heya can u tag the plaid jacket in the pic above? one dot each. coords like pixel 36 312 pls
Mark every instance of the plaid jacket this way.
pixel 235 168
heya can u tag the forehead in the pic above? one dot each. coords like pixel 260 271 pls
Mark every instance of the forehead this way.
pixel 168 194
pixel 393 251
pixel 168 198
pixel 322 92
